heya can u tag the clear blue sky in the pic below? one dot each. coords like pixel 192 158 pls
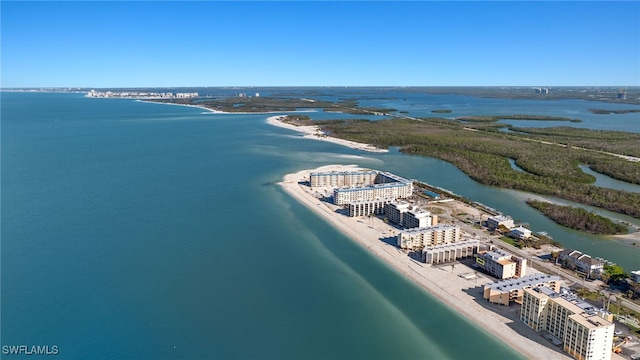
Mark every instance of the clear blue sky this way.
pixel 146 44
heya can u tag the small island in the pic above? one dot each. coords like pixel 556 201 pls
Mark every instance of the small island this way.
pixel 578 218
pixel 441 111
pixel 606 112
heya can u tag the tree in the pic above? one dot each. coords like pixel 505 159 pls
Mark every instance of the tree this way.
pixel 635 287
pixel 583 292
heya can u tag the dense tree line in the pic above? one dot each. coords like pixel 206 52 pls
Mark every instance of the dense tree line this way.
pixel 618 142
pixel 494 118
pixel 578 218
pixel 483 155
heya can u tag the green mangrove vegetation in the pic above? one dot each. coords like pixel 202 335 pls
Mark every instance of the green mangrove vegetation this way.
pixel 495 118
pixel 550 167
pixel 273 104
pixel 578 218
pixel 606 112
pixel 618 142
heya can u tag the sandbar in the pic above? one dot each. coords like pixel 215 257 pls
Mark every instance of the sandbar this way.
pixel 443 282
pixel 314 132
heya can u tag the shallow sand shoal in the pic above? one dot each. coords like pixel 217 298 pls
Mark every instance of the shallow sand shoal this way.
pixel 444 283
pixel 314 132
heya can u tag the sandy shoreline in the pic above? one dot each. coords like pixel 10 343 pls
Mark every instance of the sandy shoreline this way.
pixel 463 296
pixel 310 132
pixel 222 112
pixel 314 132
pixel 188 105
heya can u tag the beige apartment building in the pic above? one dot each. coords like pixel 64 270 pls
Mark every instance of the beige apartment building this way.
pixel 501 264
pixel 420 238
pixel 505 292
pixel 343 178
pixel 585 332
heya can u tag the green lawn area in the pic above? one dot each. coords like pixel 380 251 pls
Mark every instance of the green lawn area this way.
pixel 511 241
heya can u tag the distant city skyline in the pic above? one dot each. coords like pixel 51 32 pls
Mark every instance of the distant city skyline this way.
pixel 359 43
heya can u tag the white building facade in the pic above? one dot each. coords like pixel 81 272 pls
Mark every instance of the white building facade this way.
pixel 342 178
pixel 420 238
pixel 494 222
pixel 366 208
pixel 501 264
pixel 440 254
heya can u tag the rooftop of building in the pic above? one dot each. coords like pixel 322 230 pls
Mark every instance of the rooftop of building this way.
pixel 395 177
pixel 440 227
pixel 419 213
pixel 357 202
pixel 573 303
pixel 351 172
pixel 589 260
pixel 504 262
pixel 590 321
pixel 500 218
pixel 400 204
pixel 529 280
pixel 497 254
pixel 521 229
pixel 372 186
pixel 570 252
pixel 452 246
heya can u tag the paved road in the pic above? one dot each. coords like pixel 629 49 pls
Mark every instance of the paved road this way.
pixel 568 275
pixel 533 260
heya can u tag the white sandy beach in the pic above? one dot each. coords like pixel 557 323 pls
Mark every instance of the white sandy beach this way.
pixel 188 105
pixel 314 132
pixel 311 132
pixel 444 283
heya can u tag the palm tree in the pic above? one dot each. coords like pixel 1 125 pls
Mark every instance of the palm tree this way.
pixel 603 297
pixel 624 311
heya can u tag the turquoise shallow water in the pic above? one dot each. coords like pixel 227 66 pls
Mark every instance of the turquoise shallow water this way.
pixel 136 230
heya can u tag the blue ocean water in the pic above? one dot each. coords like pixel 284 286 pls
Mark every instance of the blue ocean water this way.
pixel 148 231
pixel 145 231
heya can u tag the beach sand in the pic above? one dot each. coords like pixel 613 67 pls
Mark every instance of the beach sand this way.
pixel 444 283
pixel 314 132
pixel 311 132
